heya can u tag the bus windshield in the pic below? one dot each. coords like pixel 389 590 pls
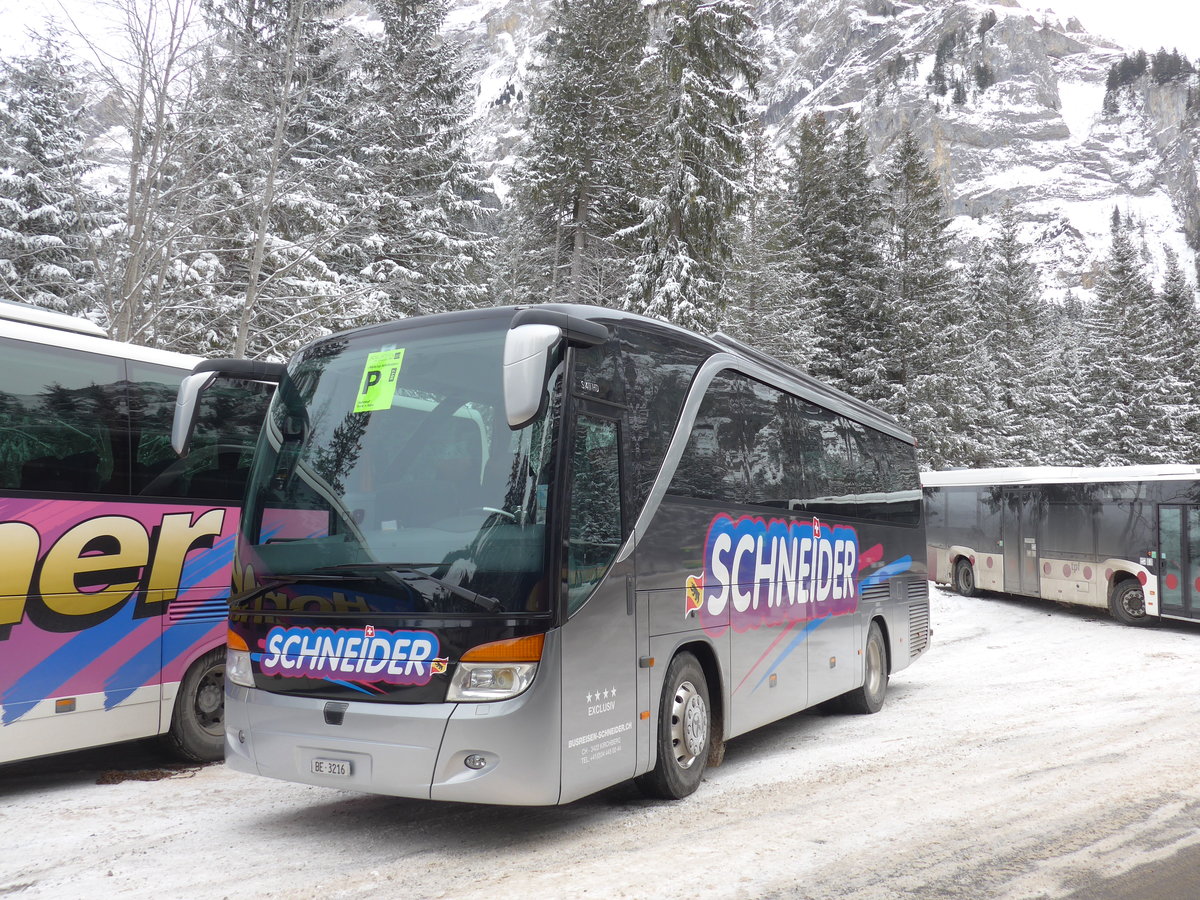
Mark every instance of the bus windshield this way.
pixel 387 461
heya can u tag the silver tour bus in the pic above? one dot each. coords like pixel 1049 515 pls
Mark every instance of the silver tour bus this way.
pixel 518 555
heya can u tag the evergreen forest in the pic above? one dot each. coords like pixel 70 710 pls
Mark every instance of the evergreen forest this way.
pixel 247 175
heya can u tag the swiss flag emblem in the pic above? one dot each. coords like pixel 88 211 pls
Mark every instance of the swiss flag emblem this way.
pixel 369 631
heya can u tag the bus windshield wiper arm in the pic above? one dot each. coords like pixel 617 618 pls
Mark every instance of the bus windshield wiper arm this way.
pixel 489 604
pixel 270 582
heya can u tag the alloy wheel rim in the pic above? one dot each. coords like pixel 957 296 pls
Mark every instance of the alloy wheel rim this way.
pixel 689 724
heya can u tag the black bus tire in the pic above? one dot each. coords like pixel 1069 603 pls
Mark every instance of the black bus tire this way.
pixel 869 698
pixel 1127 603
pixel 964 578
pixel 684 732
pixel 198 721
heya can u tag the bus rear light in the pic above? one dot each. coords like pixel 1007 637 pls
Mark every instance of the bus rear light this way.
pixel 523 649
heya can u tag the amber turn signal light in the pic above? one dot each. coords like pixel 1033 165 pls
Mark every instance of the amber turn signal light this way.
pixel 522 649
pixel 235 641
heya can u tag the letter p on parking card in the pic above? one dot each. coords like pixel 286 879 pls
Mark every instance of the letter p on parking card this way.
pixel 380 377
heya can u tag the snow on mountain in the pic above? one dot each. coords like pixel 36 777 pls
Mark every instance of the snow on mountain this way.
pixel 1027 125
pixel 1036 136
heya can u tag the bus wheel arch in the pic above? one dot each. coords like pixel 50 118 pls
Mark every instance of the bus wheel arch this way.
pixel 887 641
pixel 684 730
pixel 197 730
pixel 1127 601
pixel 716 705
pixel 963 575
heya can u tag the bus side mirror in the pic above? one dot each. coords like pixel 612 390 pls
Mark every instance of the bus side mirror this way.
pixel 526 368
pixel 203 375
pixel 184 423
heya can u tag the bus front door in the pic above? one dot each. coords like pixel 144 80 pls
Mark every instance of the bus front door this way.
pixel 1018 530
pixel 599 639
pixel 1178 566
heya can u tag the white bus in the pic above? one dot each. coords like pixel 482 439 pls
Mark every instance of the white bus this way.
pixel 1121 538
pixel 114 555
pixel 517 555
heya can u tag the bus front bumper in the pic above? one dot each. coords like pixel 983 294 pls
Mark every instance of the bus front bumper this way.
pixel 504 753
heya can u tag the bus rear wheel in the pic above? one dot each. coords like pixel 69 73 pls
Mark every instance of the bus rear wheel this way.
pixel 1127 603
pixel 964 578
pixel 198 721
pixel 869 698
pixel 684 726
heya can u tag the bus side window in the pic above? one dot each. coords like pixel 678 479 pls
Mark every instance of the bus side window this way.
pixel 818 457
pixel 765 412
pixel 62 420
pixel 886 473
pixel 657 370
pixel 595 517
pixel 713 465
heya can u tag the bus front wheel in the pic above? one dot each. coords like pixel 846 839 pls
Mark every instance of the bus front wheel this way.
pixel 1127 604
pixel 964 578
pixel 684 726
pixel 198 722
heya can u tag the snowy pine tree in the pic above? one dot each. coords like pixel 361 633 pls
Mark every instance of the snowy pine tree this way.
pixel 706 69
pixel 417 235
pixel 1064 402
pixel 1181 336
pixel 589 149
pixel 46 212
pixel 929 333
pixel 274 117
pixel 1014 332
pixel 1126 386
pixel 771 304
pixel 850 272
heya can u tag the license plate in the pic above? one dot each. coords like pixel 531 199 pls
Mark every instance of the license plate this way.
pixel 336 767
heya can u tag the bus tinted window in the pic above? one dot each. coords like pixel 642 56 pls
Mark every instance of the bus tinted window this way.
pixel 658 371
pixel 753 443
pixel 826 471
pixel 62 422
pixel 227 423
pixel 714 463
pixel 595 524
pixel 887 480
pixel 1069 529
pixel 770 475
pixel 598 373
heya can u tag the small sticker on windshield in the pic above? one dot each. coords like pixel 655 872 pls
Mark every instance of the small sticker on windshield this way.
pixel 380 377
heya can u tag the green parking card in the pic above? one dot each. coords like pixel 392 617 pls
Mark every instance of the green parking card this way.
pixel 380 377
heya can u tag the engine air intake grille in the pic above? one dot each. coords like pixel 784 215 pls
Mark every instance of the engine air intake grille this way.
pixel 876 592
pixel 918 619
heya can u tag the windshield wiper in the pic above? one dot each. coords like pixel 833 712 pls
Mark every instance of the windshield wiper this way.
pixel 488 604
pixel 273 581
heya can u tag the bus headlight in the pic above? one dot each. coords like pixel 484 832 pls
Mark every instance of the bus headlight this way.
pixel 477 681
pixel 237 667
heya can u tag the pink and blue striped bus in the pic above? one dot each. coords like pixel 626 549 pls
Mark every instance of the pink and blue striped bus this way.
pixel 115 554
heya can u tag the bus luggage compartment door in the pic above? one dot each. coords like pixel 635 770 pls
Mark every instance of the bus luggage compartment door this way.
pixel 1018 530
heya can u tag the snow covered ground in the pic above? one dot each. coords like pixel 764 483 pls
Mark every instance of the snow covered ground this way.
pixel 1036 751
